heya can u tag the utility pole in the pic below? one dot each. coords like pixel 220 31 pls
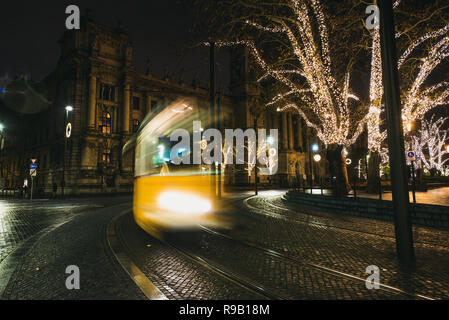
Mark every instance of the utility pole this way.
pixel 255 159
pixel 212 109
pixel 398 169
pixel 219 128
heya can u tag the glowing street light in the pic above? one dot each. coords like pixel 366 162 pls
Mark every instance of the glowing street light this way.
pixel 317 158
pixel 1 127
pixel 315 147
pixel 409 126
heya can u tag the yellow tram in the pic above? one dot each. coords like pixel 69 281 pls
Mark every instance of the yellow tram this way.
pixel 168 196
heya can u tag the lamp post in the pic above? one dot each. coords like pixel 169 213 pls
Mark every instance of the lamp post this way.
pixel 67 134
pixel 1 149
pixel 315 149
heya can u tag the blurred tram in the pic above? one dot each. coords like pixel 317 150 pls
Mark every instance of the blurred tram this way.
pixel 169 197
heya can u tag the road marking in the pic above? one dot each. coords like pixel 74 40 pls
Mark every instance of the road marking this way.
pixel 139 278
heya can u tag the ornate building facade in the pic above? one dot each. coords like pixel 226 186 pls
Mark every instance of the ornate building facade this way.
pixel 96 77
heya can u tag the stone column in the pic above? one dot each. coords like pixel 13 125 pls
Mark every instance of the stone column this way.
pixel 126 95
pixel 290 132
pixel 92 101
pixel 284 131
pixel 148 109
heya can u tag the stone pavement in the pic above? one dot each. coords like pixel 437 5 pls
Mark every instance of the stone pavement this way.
pixel 20 219
pixel 347 244
pixel 39 272
pixel 286 251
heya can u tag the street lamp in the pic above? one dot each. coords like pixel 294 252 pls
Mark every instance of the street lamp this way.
pixel 67 133
pixel 1 149
pixel 314 148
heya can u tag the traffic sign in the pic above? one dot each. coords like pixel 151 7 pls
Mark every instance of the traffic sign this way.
pixel 33 172
pixel 33 166
pixel 411 155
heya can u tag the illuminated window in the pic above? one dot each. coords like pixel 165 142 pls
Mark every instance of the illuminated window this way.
pixel 106 125
pixel 106 157
pixel 136 124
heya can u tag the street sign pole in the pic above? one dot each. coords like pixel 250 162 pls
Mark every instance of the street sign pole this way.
pixel 413 181
pixel 402 218
pixel 255 159
pixel 32 184
pixel 212 114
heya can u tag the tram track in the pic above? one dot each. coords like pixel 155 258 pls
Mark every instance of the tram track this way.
pixel 333 272
pixel 321 224
pixel 239 280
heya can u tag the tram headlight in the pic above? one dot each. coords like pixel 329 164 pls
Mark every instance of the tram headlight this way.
pixel 184 203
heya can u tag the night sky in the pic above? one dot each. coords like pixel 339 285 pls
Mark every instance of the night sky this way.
pixel 158 29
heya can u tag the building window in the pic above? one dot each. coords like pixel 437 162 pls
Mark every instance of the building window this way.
pixel 106 125
pixel 106 157
pixel 136 124
pixel 136 103
pixel 153 105
pixel 107 92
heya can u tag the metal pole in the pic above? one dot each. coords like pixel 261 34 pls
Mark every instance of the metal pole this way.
pixel 64 155
pixel 32 184
pixel 403 225
pixel 321 185
pixel 310 165
pixel 212 107
pixel 380 189
pixel 255 160
pixel 366 168
pixel 218 126
pixel 413 182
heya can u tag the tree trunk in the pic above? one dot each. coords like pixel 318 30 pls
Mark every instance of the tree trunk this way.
pixel 337 169
pixel 373 173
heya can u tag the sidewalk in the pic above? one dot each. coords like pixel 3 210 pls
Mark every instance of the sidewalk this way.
pixel 437 196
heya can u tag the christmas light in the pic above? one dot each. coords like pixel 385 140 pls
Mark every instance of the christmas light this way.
pixel 417 99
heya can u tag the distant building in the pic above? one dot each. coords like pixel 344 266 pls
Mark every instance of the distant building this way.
pixel 110 99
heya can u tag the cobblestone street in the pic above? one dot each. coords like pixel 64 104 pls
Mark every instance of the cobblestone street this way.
pixel 271 250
